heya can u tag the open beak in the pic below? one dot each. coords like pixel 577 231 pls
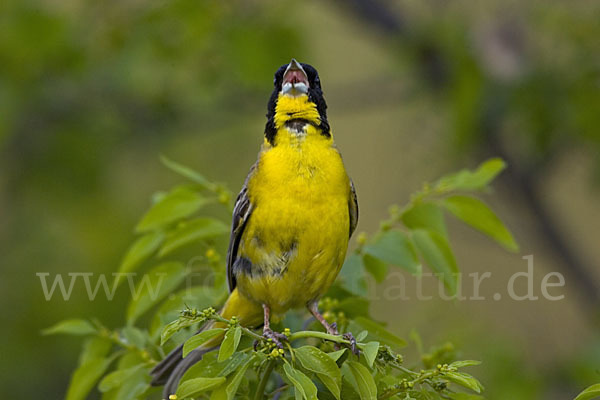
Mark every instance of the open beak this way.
pixel 295 81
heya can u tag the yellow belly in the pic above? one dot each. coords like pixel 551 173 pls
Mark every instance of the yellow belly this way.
pixel 297 235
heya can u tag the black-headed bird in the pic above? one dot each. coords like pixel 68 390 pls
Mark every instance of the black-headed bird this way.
pixel 291 222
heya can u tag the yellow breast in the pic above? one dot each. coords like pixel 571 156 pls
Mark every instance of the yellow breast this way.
pixel 297 235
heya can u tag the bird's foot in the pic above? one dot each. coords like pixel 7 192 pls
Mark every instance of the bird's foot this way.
pixel 332 330
pixel 352 345
pixel 276 337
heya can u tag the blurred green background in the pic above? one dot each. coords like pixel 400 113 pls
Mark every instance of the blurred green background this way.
pixel 91 93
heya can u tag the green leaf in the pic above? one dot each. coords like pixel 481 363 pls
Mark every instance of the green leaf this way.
pixel 464 380
pixel 377 332
pixel 303 385
pixel 153 287
pixel 180 203
pixel 376 267
pixel 352 275
pixel 396 248
pixel 323 366
pixel 476 180
pixel 71 327
pixel 335 355
pixel 591 392
pixel 175 326
pixel 117 378
pixel 192 231
pixel 464 363
pixel 233 363
pixel 362 336
pixel 370 352
pixel 349 387
pixel 428 395
pixel 93 348
pixel 187 172
pixel 199 297
pixel 130 359
pixel 436 251
pixel 209 367
pixel 93 364
pixel 365 384
pixel 233 386
pixel 134 336
pixel 477 214
pixel 130 388
pixel 140 250
pixel 230 342
pixel 219 393
pixel 192 387
pixel 199 339
pixel 85 377
pixel 425 215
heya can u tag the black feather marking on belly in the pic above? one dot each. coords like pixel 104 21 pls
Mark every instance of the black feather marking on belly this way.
pixel 242 265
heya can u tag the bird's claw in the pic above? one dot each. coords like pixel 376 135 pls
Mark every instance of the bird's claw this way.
pixel 276 337
pixel 352 345
pixel 348 336
pixel 333 329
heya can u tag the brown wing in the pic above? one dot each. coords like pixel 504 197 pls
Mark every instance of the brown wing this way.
pixel 353 208
pixel 241 214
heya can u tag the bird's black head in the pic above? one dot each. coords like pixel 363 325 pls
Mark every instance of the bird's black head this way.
pixel 296 80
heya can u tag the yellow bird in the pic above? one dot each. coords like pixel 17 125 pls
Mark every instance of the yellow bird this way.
pixel 291 222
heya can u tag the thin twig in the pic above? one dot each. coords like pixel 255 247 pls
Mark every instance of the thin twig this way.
pixel 318 335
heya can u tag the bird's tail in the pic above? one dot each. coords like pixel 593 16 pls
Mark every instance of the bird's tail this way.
pixel 172 368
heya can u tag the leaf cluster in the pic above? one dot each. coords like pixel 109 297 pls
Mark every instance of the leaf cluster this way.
pixel 416 234
pixel 313 364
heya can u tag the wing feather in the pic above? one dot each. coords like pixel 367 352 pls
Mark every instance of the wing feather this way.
pixel 353 208
pixel 242 211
